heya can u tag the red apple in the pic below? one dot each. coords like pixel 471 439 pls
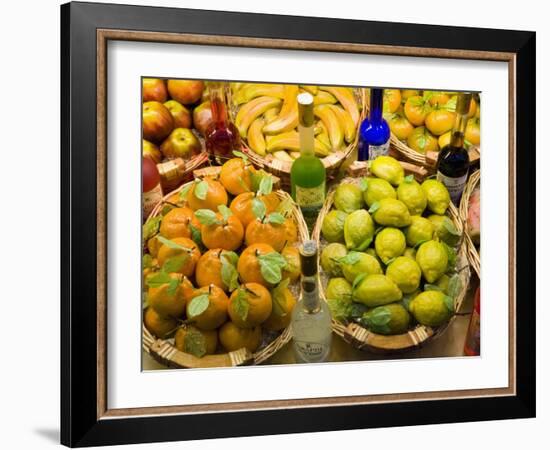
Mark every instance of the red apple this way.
pixel 157 121
pixel 181 143
pixel 180 114
pixel 186 91
pixel 202 117
pixel 151 151
pixel 154 89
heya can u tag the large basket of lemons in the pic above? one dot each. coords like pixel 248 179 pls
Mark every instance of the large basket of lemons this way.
pixel 266 116
pixel 221 266
pixel 393 265
pixel 421 124
pixel 469 213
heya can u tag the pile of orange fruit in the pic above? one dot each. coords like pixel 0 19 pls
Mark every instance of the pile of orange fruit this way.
pixel 424 119
pixel 218 262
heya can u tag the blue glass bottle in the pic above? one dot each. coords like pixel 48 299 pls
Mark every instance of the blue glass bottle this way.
pixel 374 133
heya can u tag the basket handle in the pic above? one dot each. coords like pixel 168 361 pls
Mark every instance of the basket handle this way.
pixel 167 354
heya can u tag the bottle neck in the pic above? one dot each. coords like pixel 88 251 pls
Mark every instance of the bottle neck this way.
pixel 217 103
pixel 376 101
pixel 307 140
pixel 310 293
pixel 459 129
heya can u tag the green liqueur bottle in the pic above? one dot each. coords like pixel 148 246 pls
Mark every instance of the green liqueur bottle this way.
pixel 307 175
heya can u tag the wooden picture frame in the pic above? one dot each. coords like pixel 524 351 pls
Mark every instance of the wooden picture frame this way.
pixel 85 417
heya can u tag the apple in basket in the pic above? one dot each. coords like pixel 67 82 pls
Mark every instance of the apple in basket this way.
pixel 202 117
pixel 186 92
pixel 151 151
pixel 180 114
pixel 157 121
pixel 181 143
pixel 154 89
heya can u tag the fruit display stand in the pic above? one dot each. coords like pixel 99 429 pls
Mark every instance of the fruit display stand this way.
pixel 272 162
pixel 364 339
pixel 164 350
pixel 472 251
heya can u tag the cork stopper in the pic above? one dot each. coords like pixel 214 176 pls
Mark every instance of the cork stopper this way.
pixel 463 103
pixel 305 109
pixel 308 258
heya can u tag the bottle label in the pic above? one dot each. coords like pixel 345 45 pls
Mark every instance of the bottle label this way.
pixel 379 150
pixel 311 351
pixel 150 199
pixel 310 198
pixel 455 186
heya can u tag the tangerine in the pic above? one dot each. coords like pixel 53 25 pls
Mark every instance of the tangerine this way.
pixel 185 246
pixel 236 176
pixel 215 195
pixel 226 234
pixel 176 223
pixel 158 325
pixel 258 305
pixel 249 266
pixel 216 312
pixel 234 338
pixel 261 232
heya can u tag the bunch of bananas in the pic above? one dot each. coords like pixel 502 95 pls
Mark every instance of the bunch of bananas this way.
pixel 267 118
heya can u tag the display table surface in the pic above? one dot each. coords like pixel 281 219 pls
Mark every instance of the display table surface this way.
pixel 450 344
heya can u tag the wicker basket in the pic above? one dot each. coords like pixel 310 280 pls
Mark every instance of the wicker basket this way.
pixel 164 351
pixel 472 251
pixel 281 168
pixel 363 339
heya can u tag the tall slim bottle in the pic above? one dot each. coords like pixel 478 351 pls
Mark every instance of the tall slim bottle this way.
pixel 453 161
pixel 311 319
pixel 374 132
pixel 307 174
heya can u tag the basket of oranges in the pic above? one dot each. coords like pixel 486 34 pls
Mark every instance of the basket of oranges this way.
pixel 421 123
pixel 221 266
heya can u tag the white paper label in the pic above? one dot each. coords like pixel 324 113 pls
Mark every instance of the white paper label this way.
pixel 455 186
pixel 379 150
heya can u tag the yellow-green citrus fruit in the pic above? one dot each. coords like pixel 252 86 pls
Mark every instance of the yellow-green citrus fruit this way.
pixel 420 229
pixel 338 289
pixel 406 273
pixel 358 230
pixel 391 212
pixel 371 251
pixel 376 190
pixel 431 308
pixel 329 259
pixel 410 193
pixel 360 263
pixel 333 226
pixel 388 169
pixel 444 229
pixel 348 198
pixel 432 258
pixel 389 243
pixel 410 253
pixel 388 319
pixel 437 195
pixel 376 290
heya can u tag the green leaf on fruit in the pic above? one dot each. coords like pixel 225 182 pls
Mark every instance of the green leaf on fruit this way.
pixel 266 185
pixel 173 245
pixel 241 305
pixel 363 184
pixel 350 259
pixel 285 207
pixel 147 261
pixel 449 303
pixel 198 305
pixel 166 209
pixel 450 226
pixel 271 265
pixel 389 261
pixel 175 263
pixel 230 276
pixel 183 193
pixel 241 155
pixel 225 212
pixel 159 279
pixel 357 310
pixel 279 298
pixel 207 217
pixel 358 280
pixel 151 227
pixel 378 317
pixel 172 287
pixel 230 256
pixel 201 189
pixel 451 255
pixel 339 309
pixel 454 287
pixel 409 179
pixel 451 104
pixel 258 208
pixel 196 235
pixel 364 245
pixel 433 287
pixel 276 218
pixel 406 301
pixel 195 343
pixel 144 300
pixel 374 207
pixel 419 243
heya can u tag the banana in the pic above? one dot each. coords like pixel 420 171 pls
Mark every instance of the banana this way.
pixel 282 155
pixel 324 139
pixel 332 124
pixel 310 88
pixel 323 97
pixel 291 141
pixel 346 122
pixel 255 137
pixel 253 109
pixel 271 114
pixel 346 98
pixel 288 117
pixel 250 91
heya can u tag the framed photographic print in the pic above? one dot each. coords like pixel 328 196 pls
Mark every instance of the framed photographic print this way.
pixel 272 224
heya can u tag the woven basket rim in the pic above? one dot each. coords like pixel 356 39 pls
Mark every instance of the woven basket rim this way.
pixel 421 333
pixel 331 162
pixel 472 251
pixel 285 336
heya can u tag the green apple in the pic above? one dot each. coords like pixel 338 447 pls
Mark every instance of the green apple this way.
pixel 157 121
pixel 180 114
pixel 154 89
pixel 181 143
pixel 151 151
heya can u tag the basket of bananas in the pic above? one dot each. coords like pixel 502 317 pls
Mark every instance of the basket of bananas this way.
pixel 393 265
pixel 266 116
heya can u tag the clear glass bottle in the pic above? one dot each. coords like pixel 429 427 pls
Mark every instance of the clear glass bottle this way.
pixel 374 132
pixel 453 162
pixel 307 174
pixel 311 319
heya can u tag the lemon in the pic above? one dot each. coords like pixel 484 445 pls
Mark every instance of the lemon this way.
pixel 371 251
pixel 410 253
pixel 348 198
pixel 432 258
pixel 432 308
pixel 329 258
pixel 389 243
pixel 388 169
pixel 358 230
pixel 333 226
pixel 410 193
pixel 338 289
pixel 406 273
pixel 376 290
pixel 420 229
pixel 387 319
pixel 376 190
pixel 391 212
pixel 437 195
pixel 359 263
pixel 444 229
